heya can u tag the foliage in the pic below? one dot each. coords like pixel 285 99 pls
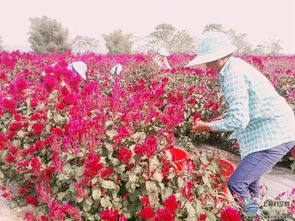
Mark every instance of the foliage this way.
pixel 82 44
pixel 118 43
pixel 1 44
pixel 166 36
pixel 47 35
pixel 100 149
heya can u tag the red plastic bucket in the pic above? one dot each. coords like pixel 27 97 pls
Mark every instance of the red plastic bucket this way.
pixel 179 157
pixel 226 168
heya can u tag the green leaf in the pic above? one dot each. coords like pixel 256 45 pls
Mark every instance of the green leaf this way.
pixel 96 194
pixel 105 201
pixel 67 168
pixel 109 147
pixel 158 176
pixel 109 123
pixel 58 119
pixel 151 186
pixel 79 171
pixel 21 134
pixel 111 133
pixel 108 184
pixel 133 178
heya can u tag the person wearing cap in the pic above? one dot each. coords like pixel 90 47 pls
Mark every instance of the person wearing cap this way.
pixel 77 67
pixel 261 120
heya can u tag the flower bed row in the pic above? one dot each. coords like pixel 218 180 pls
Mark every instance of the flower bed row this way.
pixel 100 149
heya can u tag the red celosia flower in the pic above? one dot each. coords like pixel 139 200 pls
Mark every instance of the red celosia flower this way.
pixel 18 117
pixel 20 84
pixel 151 146
pixel 145 201
pixel 122 217
pixel 32 200
pixel 9 158
pixel 197 116
pixel 124 155
pixel 57 163
pixel 57 131
pixel 106 172
pixel 147 213
pixel 171 203
pixel 50 83
pixel 92 165
pixel 3 140
pixel 39 144
pixel 202 217
pixel 72 211
pixel 80 191
pixel 293 152
pixel 230 214
pixel 35 116
pixel 29 217
pixel 109 215
pixel 38 127
pixel 15 126
pixel 164 214
pixel 9 105
pixel 13 150
pixel 35 163
pixel 33 103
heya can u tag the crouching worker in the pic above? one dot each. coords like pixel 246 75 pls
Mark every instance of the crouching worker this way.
pixel 262 121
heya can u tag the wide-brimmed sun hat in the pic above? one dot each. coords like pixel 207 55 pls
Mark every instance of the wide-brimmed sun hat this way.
pixel 213 46
pixel 80 67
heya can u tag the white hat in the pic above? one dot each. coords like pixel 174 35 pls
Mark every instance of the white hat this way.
pixel 213 46
pixel 80 67
pixel 117 69
pixel 163 51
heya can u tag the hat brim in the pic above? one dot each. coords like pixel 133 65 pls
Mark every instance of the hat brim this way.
pixel 77 68
pixel 203 59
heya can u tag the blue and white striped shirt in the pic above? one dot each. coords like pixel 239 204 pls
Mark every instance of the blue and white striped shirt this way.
pixel 258 115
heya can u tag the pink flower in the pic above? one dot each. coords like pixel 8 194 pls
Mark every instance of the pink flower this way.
pixel 124 155
pixel 230 214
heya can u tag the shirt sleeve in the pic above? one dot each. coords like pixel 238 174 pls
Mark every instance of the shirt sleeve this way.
pixel 236 95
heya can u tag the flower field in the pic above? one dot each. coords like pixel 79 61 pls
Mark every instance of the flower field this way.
pixel 100 149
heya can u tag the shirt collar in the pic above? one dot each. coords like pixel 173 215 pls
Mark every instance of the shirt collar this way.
pixel 225 66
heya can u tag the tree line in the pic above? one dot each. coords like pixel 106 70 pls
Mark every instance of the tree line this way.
pixel 47 35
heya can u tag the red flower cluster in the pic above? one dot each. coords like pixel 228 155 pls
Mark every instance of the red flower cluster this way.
pixel 92 165
pixel 125 155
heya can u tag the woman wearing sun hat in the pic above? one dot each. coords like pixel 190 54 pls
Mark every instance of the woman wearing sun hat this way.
pixel 262 121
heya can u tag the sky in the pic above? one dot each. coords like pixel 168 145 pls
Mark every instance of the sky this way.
pixel 262 20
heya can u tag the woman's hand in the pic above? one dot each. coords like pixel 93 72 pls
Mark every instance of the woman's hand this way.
pixel 200 126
